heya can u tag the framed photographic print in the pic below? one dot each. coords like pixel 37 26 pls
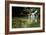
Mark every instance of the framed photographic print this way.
pixel 24 17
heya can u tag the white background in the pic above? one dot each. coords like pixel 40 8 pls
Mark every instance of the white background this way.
pixel 2 18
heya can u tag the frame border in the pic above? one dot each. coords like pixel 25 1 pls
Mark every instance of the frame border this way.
pixel 7 16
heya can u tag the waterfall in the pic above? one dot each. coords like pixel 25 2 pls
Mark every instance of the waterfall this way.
pixel 29 17
pixel 32 17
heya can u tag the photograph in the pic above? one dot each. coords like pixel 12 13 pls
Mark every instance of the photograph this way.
pixel 25 17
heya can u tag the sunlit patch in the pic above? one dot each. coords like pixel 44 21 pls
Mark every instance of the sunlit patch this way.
pixel 35 20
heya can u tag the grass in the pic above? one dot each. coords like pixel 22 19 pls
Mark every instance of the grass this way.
pixel 21 22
